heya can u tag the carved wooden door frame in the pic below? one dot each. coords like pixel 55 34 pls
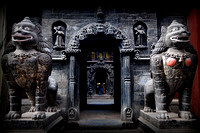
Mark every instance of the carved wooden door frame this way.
pixel 125 48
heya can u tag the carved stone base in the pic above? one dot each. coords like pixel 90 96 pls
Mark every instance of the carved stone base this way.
pixel 26 124
pixel 59 47
pixel 149 123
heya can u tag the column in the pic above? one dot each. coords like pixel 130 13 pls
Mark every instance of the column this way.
pixel 72 110
pixel 127 112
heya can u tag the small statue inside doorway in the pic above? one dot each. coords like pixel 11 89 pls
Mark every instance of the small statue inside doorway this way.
pixel 27 66
pixel 60 35
pixel 140 35
pixel 173 65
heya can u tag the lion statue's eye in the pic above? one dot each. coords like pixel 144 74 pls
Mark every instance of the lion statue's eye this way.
pixel 174 29
pixel 27 28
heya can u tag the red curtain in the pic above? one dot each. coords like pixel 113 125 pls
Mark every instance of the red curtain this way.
pixel 193 23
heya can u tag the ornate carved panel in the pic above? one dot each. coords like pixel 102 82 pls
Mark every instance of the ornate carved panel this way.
pixel 98 28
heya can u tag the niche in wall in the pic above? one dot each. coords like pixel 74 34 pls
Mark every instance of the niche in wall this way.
pixel 58 33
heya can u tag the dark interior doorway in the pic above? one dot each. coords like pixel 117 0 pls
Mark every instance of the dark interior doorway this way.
pixel 100 44
pixel 101 93
pixel 100 83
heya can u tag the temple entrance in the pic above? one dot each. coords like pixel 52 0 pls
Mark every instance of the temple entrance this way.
pixel 99 65
pixel 100 68
pixel 100 86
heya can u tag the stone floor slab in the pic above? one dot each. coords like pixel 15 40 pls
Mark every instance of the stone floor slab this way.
pixel 150 123
pixel 27 124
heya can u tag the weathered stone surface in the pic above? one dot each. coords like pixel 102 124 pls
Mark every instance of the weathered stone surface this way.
pixel 150 123
pixel 26 123
pixel 173 122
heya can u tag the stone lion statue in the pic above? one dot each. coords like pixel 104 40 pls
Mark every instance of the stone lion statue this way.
pixel 27 65
pixel 173 64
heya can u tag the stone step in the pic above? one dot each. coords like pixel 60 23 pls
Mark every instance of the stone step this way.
pixel 103 96
pixel 138 130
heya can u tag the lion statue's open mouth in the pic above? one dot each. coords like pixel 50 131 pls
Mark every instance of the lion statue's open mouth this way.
pixel 180 38
pixel 21 38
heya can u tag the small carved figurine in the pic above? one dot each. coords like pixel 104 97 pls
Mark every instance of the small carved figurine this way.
pixel 140 35
pixel 59 32
pixel 27 65
pixel 173 64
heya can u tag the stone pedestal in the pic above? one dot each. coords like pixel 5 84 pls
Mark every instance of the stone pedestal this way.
pixel 174 124
pixel 26 124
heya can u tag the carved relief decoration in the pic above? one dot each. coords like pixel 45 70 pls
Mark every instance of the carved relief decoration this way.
pixel 99 28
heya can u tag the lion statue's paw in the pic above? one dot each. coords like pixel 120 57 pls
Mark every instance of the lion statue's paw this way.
pixel 13 115
pixel 39 115
pixel 148 109
pixel 32 109
pixel 185 115
pixel 52 109
pixel 162 114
